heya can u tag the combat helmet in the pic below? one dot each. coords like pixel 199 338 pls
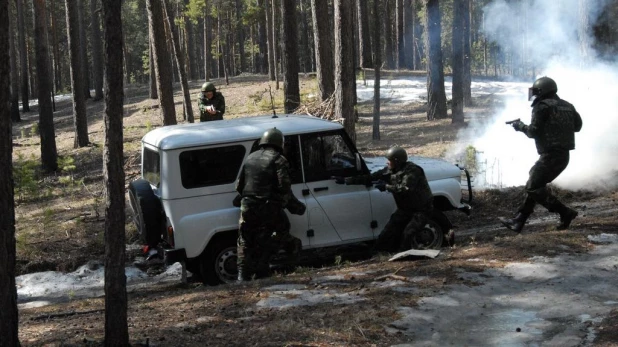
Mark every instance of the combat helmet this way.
pixel 272 137
pixel 208 87
pixel 397 155
pixel 542 87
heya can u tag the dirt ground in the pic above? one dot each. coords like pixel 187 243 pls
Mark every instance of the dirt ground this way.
pixel 60 227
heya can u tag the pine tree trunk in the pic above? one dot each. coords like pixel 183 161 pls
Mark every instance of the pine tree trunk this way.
pixel 161 62
pixel 458 62
pixel 80 119
pixel 305 59
pixel 57 63
pixel 241 36
pixel 208 65
pixel 291 88
pixel 179 59
pixel 436 96
pixel 151 73
pixel 364 36
pixel 83 49
pixel 190 33
pixel 401 54
pixel 271 44
pixel 345 79
pixel 276 44
pixel 377 52
pixel 323 49
pixel 49 153
pixel 408 33
pixel 14 95
pixel 389 51
pixel 8 291
pixel 97 54
pixel 262 38
pixel 116 303
pixel 467 74
pixel 23 56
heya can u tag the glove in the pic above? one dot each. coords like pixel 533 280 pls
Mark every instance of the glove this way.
pixel 519 125
pixel 339 179
pixel 380 185
pixel 236 201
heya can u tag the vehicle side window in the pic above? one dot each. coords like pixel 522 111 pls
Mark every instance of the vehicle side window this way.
pixel 291 152
pixel 327 155
pixel 210 166
pixel 151 168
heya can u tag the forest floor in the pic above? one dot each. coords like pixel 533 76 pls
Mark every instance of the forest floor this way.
pixel 493 287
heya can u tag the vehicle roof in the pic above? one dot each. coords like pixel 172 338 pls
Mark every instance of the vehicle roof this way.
pixel 233 130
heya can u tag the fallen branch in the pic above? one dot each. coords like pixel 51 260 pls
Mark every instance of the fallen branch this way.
pixel 64 314
pixel 392 277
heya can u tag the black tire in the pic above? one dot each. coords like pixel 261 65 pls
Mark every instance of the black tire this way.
pixel 447 227
pixel 147 214
pixel 430 237
pixel 219 262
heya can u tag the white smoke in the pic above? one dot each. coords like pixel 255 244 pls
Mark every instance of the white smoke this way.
pixel 550 29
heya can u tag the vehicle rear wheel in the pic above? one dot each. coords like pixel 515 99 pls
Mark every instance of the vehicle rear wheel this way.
pixel 147 214
pixel 219 262
pixel 430 237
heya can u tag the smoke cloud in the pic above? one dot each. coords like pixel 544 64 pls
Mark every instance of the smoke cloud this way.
pixel 551 32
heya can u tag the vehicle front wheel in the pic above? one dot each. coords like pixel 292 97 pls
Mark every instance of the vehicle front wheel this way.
pixel 218 263
pixel 430 237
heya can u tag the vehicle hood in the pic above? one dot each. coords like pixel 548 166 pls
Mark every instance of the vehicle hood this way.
pixel 435 169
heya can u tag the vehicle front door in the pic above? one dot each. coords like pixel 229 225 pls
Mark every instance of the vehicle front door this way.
pixel 335 211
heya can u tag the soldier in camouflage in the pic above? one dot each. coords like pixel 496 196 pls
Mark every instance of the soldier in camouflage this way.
pixel 211 103
pixel 265 190
pixel 553 127
pixel 414 200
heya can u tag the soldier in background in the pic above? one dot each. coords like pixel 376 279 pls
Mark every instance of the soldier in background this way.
pixel 408 184
pixel 211 103
pixel 553 127
pixel 265 190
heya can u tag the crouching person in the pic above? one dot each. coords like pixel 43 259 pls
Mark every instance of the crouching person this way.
pixel 265 190
pixel 408 184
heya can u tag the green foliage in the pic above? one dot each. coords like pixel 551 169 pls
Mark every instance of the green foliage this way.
pixel 34 130
pixel 471 162
pixel 148 126
pixel 25 177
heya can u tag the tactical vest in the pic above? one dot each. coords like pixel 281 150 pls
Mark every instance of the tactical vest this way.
pixel 414 199
pixel 261 176
pixel 559 130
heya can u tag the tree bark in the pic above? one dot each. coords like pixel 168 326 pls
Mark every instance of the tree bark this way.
pixel 408 32
pixel 83 49
pixel 179 59
pixel 161 62
pixel 271 44
pixel 388 35
pixel 401 54
pixel 208 65
pixel 97 54
pixel 56 51
pixel 467 74
pixel 80 118
pixel 151 71
pixel 345 79
pixel 276 45
pixel 262 38
pixel 323 49
pixel 436 96
pixel 116 328
pixel 14 110
pixel 291 88
pixel 23 56
pixel 457 111
pixel 364 37
pixel 377 51
pixel 190 32
pixel 241 36
pixel 49 153
pixel 8 291
pixel 305 58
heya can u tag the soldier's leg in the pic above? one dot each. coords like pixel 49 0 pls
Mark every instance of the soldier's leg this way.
pixel 246 249
pixel 390 237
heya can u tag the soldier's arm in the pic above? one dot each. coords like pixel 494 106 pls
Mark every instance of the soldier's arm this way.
pixel 577 121
pixel 408 182
pixel 283 179
pixel 221 108
pixel 382 174
pixel 240 185
pixel 200 104
pixel 539 117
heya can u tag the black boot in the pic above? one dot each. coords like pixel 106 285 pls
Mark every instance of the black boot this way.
pixel 566 216
pixel 515 224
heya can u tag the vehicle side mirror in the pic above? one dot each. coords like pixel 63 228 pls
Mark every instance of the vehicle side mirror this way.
pixel 359 162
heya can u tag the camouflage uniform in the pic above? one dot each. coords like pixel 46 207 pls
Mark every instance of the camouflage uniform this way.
pixel 264 185
pixel 218 101
pixel 553 126
pixel 414 201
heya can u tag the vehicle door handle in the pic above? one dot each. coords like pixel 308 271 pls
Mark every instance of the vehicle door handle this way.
pixel 305 192
pixel 319 189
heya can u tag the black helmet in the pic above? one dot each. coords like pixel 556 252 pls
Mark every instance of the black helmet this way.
pixel 208 87
pixel 542 87
pixel 397 155
pixel 272 137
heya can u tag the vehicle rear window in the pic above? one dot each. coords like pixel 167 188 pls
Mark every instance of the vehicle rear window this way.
pixel 210 166
pixel 151 168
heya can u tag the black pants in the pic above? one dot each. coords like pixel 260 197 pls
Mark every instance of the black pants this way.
pixel 545 170
pixel 398 231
